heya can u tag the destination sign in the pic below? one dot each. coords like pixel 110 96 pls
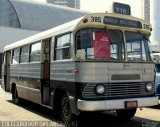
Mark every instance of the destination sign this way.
pixel 121 8
pixel 122 22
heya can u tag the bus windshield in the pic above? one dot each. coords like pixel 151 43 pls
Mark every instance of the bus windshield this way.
pixel 99 44
pixel 108 44
pixel 137 47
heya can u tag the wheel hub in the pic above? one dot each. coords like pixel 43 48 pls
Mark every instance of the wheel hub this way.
pixel 65 107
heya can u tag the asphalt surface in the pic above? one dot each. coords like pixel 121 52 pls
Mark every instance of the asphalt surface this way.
pixel 32 115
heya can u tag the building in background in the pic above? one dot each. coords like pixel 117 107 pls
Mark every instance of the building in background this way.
pixel 149 11
pixel 155 21
pixel 22 18
pixel 68 3
pixel 145 9
pixel 30 17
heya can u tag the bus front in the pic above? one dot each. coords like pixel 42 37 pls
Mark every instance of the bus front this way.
pixel 114 63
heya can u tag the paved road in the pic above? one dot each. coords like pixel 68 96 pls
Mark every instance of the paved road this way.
pixel 33 115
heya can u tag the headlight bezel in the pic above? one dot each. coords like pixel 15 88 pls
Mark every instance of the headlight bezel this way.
pixel 100 89
pixel 149 87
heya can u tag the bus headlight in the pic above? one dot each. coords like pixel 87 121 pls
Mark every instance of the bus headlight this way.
pixel 149 87
pixel 100 89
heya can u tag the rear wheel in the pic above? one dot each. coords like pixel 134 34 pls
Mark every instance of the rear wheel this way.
pixel 66 110
pixel 15 97
pixel 126 114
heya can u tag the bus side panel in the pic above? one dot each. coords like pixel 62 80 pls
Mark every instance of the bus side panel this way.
pixel 34 82
pixel 27 79
pixel 62 76
pixel 15 79
pixel 3 76
pixel 6 71
pixel 1 62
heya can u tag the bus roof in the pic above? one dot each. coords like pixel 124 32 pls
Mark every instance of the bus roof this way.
pixel 111 20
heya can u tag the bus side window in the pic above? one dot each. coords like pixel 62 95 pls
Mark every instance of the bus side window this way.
pixel 15 56
pixel 24 54
pixel 62 47
pixel 35 52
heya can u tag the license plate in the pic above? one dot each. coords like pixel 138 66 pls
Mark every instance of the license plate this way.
pixel 131 104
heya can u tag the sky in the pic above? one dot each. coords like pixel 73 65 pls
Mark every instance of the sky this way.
pixel 95 5
pixel 106 5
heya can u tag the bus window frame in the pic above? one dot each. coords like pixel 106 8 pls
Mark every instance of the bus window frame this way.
pixel 146 48
pixel 28 54
pixel 12 53
pixel 54 42
pixel 109 28
pixel 40 41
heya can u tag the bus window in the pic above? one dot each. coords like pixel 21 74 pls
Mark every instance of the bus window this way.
pixel 15 56
pixel 137 47
pixel 62 47
pixel 24 54
pixel 117 45
pixel 35 52
pixel 85 42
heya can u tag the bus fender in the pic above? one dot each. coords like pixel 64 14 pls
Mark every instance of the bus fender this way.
pixel 13 85
pixel 73 103
pixel 52 97
pixel 73 100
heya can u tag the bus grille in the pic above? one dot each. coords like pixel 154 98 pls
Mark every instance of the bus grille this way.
pixel 118 90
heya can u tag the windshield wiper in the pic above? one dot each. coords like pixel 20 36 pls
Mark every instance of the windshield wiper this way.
pixel 146 38
pixel 109 37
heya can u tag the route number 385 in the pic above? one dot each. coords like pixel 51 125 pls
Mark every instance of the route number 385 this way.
pixel 96 19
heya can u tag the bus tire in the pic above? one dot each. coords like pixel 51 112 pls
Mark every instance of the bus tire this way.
pixel 15 97
pixel 66 112
pixel 126 114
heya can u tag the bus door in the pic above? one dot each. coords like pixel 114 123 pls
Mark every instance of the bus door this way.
pixel 45 84
pixel 6 71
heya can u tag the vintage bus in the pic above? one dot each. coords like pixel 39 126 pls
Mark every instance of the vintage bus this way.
pixel 99 62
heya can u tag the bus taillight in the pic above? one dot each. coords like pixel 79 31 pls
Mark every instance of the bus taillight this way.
pixel 75 71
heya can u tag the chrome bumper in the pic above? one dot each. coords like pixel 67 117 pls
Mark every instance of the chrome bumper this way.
pixel 100 105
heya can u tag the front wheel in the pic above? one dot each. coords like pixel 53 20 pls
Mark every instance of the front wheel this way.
pixel 66 110
pixel 15 97
pixel 126 114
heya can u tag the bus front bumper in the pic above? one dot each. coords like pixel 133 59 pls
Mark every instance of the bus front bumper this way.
pixel 101 105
